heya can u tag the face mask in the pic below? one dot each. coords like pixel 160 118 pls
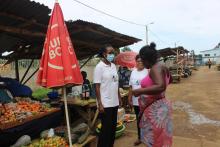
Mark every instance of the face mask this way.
pixel 110 57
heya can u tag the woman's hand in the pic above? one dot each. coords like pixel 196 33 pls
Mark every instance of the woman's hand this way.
pixel 101 108
pixel 130 103
pixel 137 92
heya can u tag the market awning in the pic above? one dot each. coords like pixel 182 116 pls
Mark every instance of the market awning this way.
pixel 172 51
pixel 23 27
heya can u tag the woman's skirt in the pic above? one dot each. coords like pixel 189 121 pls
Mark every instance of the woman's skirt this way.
pixel 156 123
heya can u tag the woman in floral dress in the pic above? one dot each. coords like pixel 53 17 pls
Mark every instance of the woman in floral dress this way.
pixel 155 109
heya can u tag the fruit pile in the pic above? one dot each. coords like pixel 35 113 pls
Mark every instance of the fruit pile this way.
pixel 50 142
pixel 21 110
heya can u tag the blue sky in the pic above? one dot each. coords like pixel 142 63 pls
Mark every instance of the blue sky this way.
pixel 194 24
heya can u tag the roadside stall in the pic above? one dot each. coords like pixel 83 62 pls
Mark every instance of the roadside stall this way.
pixel 22 33
pixel 177 60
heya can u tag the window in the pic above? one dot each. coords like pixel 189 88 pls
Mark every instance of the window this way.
pixel 207 55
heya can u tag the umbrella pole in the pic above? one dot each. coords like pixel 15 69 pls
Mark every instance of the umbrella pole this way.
pixel 67 117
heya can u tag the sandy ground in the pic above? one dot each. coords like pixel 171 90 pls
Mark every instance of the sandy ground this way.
pixel 196 114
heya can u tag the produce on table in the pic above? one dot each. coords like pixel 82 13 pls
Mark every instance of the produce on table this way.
pixel 41 93
pixel 21 110
pixel 50 142
pixel 22 141
pixel 79 101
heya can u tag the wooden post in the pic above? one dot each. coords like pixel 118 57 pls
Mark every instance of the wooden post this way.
pixel 22 79
pixel 177 59
pixel 31 76
pixel 184 60
pixel 86 62
pixel 187 56
pixel 16 70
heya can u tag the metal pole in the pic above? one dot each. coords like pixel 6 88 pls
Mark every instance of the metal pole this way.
pixel 17 70
pixel 67 117
pixel 146 35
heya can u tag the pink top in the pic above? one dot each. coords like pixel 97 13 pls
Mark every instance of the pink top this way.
pixel 147 82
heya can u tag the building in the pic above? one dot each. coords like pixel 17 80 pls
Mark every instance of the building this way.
pixel 212 54
pixel 198 60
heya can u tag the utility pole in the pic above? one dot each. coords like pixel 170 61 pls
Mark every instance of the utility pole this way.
pixel 147 32
pixel 146 35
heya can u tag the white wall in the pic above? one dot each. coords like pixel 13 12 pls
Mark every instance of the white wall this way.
pixel 214 55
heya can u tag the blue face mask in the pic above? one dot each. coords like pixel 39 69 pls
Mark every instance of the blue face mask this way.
pixel 110 57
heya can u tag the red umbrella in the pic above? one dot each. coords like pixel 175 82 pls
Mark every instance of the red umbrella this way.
pixel 126 59
pixel 59 65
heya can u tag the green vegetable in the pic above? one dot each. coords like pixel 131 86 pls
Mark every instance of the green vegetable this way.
pixel 40 93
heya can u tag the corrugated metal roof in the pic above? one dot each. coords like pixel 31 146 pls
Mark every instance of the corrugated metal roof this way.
pixel 24 22
pixel 171 51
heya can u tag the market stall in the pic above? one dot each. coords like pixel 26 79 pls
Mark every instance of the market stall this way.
pixel 24 38
pixel 178 62
pixel 85 108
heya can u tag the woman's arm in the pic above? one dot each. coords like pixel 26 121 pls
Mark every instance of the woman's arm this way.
pixel 97 88
pixel 130 96
pixel 119 98
pixel 157 76
pixel 97 80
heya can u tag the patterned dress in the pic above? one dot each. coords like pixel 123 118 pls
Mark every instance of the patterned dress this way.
pixel 156 123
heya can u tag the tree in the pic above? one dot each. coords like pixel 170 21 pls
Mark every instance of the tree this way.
pixel 126 49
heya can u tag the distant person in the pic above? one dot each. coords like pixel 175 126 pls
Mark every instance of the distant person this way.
pixel 108 97
pixel 85 80
pixel 209 63
pixel 86 83
pixel 155 109
pixel 137 75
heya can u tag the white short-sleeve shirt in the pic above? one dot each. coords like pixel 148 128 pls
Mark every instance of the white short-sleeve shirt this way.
pixel 107 76
pixel 135 82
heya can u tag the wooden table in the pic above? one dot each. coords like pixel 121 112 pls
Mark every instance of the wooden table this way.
pixel 90 142
pixel 85 110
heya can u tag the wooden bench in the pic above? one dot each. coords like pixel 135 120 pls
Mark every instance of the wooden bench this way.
pixel 90 142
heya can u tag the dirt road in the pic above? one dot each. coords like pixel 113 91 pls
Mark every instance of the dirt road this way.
pixel 196 114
